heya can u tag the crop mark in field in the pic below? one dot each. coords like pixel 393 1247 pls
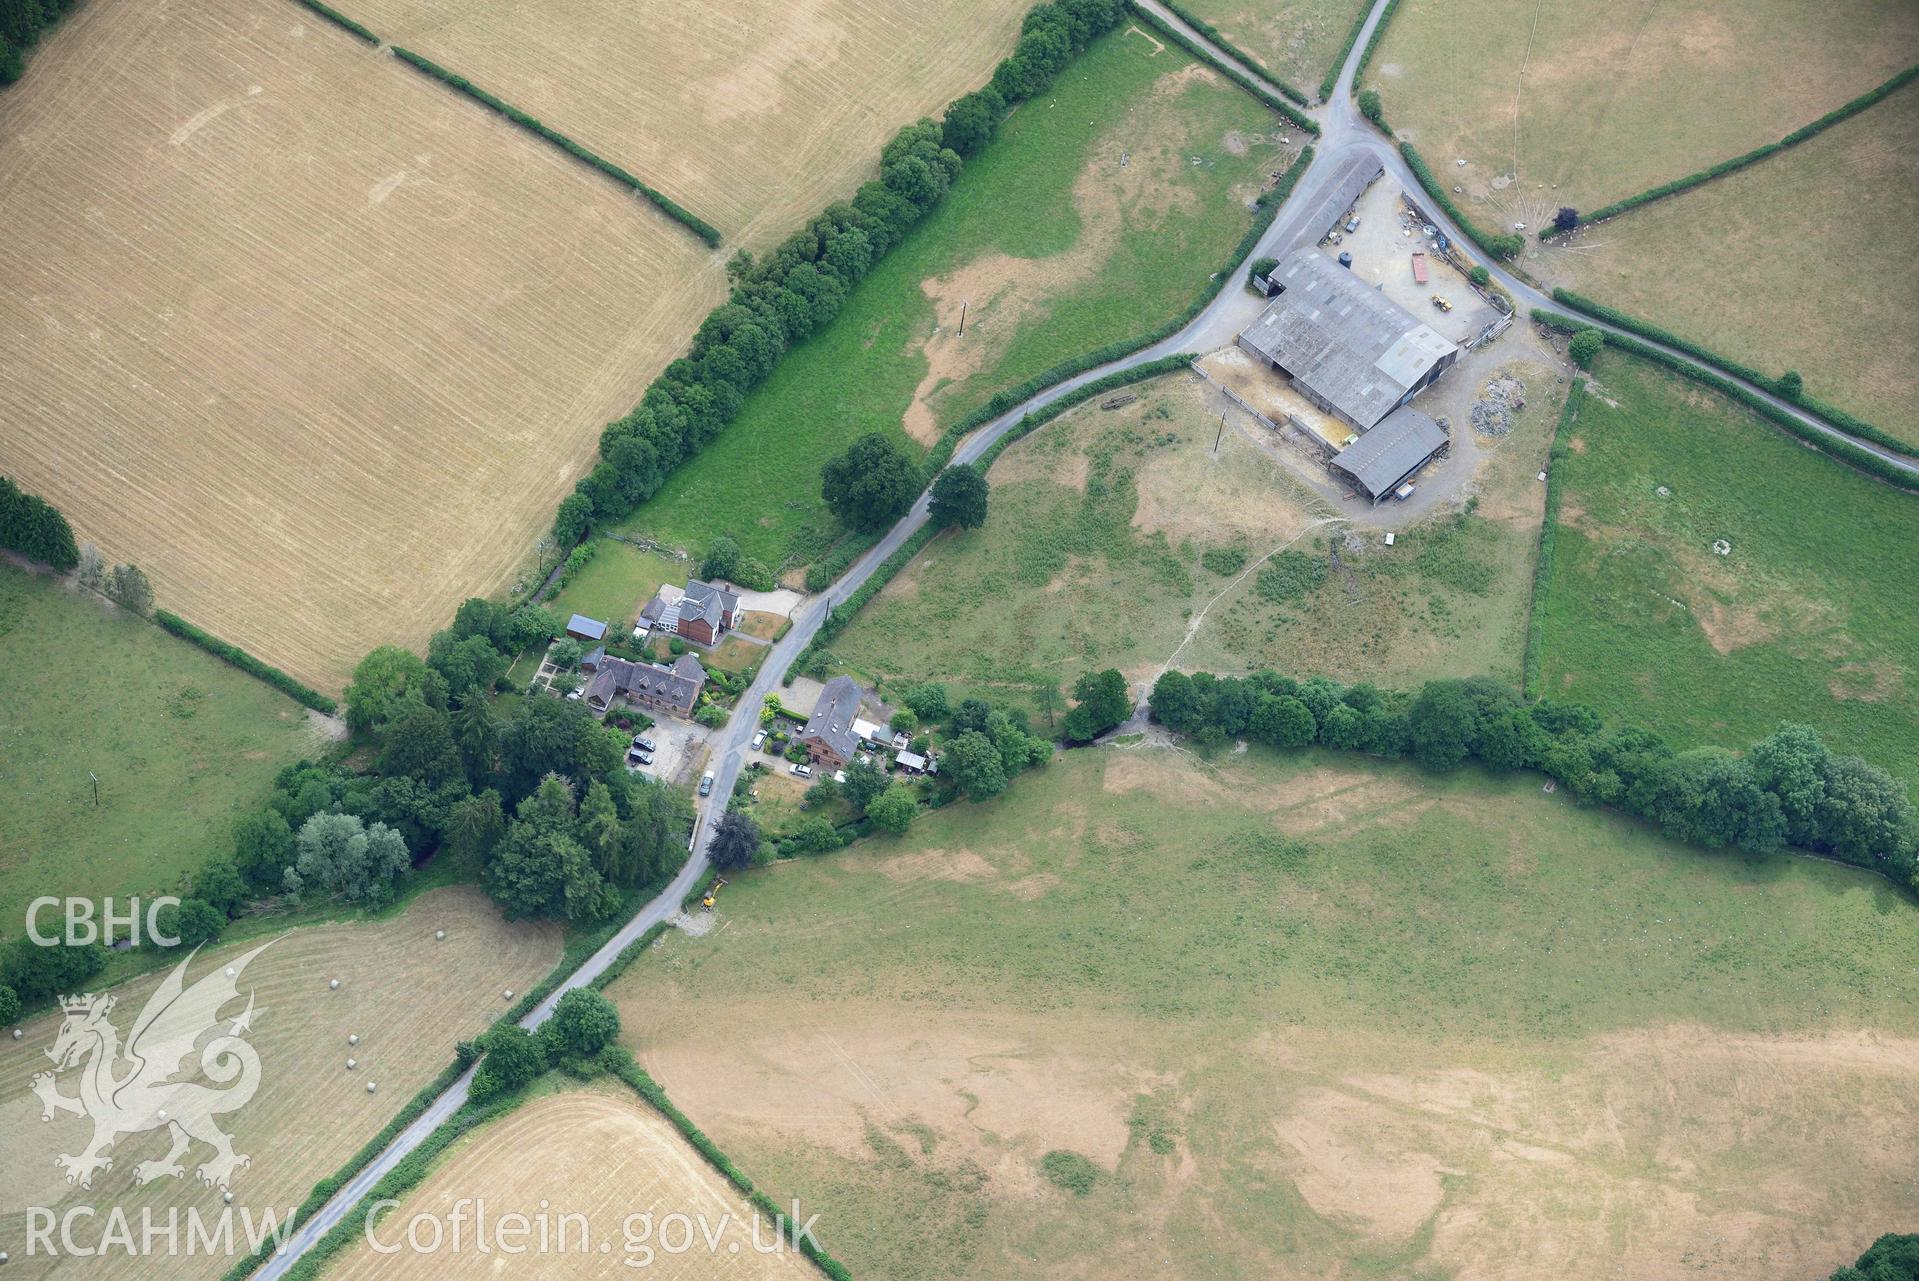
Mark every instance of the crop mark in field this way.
pixel 1158 48
pixel 204 118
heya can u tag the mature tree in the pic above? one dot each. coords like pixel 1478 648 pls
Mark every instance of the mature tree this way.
pixel 388 681
pixel 973 761
pixel 513 1059
pixel 1790 385
pixel 1284 721
pixel 598 827
pixel 583 1023
pixel 1585 346
pixel 572 520
pixel 722 559
pixel 128 588
pixel 419 744
pixel 1480 276
pixel 541 868
pixel 893 810
pixel 468 664
pixel 1893 1257
pixel 971 120
pixel 1791 763
pixel 9 1004
pixel 1567 218
pixel 1444 724
pixel 959 498
pixel 653 834
pixel 473 827
pixel 478 736
pixel 814 835
pixel 928 701
pixel 1865 815
pixel 1371 107
pixel 339 854
pixel 1342 727
pixel 905 721
pixel 193 921
pixel 735 841
pixel 92 573
pixel 1104 702
pixel 870 485
pixel 263 847
pixel 863 782
pixel 34 972
pixel 219 882
pixel 554 736
pixel 1175 703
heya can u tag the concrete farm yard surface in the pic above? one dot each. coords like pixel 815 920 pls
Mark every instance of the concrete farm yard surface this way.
pixel 317 343
pixel 406 995
pixel 1795 263
pixel 1096 214
pixel 1554 104
pixel 598 1152
pixel 753 115
pixel 181 744
pixel 1306 1016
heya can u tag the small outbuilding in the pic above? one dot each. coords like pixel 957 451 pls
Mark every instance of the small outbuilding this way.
pixel 1386 457
pixel 580 627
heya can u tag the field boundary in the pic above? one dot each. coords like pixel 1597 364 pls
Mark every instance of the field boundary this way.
pixel 1839 449
pixel 1700 177
pixel 1646 329
pixel 1251 63
pixel 1557 451
pixel 341 21
pixel 1372 45
pixel 1270 202
pixel 1504 246
pixel 666 204
pixel 233 655
pixel 1234 74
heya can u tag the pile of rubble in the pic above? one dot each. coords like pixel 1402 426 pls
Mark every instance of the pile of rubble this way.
pixel 1493 416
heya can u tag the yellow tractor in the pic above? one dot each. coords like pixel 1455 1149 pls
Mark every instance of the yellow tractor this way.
pixel 1441 303
pixel 714 892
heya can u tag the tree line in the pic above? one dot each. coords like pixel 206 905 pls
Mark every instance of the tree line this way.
pixel 34 527
pixel 800 286
pixel 21 22
pixel 1789 789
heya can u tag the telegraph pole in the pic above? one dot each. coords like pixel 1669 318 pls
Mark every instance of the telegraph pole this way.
pixel 95 779
pixel 962 331
pixel 1220 434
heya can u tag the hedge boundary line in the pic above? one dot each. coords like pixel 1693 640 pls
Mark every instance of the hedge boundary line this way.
pixel 1331 79
pixel 1233 74
pixel 340 20
pixel 1504 247
pixel 1734 165
pixel 1646 329
pixel 572 956
pixel 1841 450
pixel 1557 452
pixel 1372 45
pixel 1270 203
pixel 1232 50
pixel 228 652
pixel 635 1077
pixel 697 225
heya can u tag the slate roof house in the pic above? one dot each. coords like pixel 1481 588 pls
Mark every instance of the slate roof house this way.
pixel 829 737
pixel 673 690
pixel 1348 348
pixel 703 612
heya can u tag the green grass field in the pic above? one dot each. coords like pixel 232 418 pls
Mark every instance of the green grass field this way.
pixel 617 583
pixel 1094 216
pixel 1786 265
pixel 1298 39
pixel 1810 618
pixel 1582 105
pixel 182 744
pixel 1095 554
pixel 1307 1016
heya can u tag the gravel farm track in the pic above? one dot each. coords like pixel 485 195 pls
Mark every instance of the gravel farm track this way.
pixel 1344 132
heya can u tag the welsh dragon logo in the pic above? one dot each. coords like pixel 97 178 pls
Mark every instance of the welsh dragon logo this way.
pixel 143 1095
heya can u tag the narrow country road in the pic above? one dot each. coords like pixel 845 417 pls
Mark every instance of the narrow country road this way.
pixel 1345 134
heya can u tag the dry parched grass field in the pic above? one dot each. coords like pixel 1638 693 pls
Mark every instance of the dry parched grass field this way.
pixel 313 340
pixel 407 996
pixel 1306 1017
pixel 1562 104
pixel 598 1153
pixel 1787 265
pixel 754 114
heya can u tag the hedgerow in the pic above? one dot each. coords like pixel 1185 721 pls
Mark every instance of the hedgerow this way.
pixel 1548 537
pixel 1646 329
pixel 1331 79
pixel 699 226
pixel 1505 246
pixel 1838 447
pixel 340 20
pixel 1379 33
pixel 230 653
pixel 1737 163
pixel 1245 82
pixel 1258 68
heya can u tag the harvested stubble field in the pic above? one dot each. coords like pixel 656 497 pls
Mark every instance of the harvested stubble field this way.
pixel 1559 104
pixel 598 1152
pixel 407 996
pixel 314 341
pixel 1116 538
pixel 1094 216
pixel 753 115
pixel 1786 265
pixel 183 745
pixel 1298 39
pixel 1306 1017
pixel 1808 616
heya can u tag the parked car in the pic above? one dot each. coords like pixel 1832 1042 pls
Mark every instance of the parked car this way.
pixel 1352 224
pixel 758 739
pixel 643 743
pixel 706 783
pixel 573 696
pixel 803 771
